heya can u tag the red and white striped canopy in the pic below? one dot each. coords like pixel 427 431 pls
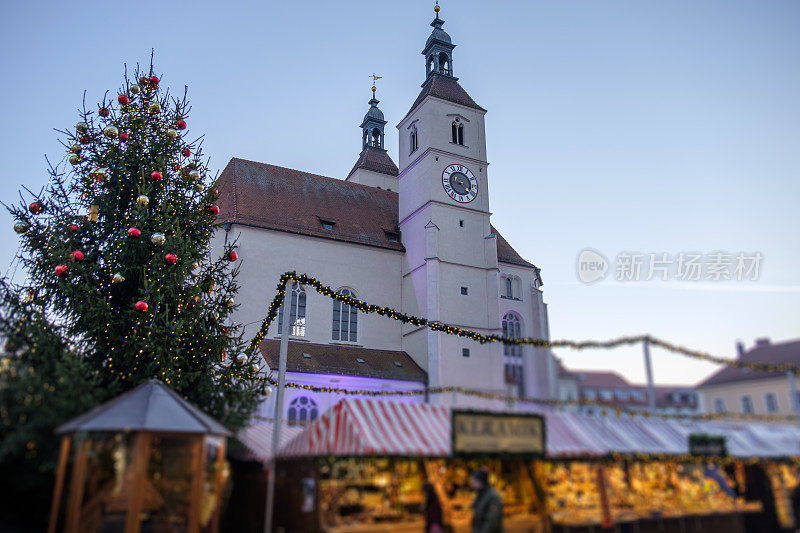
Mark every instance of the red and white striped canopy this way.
pixel 356 426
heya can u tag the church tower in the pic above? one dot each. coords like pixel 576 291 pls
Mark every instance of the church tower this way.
pixel 451 273
pixel 374 166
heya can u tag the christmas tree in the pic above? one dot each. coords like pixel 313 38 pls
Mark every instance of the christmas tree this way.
pixel 116 248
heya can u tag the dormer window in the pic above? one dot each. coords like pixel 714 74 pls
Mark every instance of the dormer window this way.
pixel 328 224
pixel 392 236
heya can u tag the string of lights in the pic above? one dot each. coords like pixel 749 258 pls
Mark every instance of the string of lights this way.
pixel 304 279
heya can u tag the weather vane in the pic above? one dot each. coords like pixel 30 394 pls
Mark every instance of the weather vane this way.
pixel 374 79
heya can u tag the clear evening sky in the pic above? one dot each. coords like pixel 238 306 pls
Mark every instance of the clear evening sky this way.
pixel 620 126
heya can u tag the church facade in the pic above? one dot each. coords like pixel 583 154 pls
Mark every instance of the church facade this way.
pixel 414 236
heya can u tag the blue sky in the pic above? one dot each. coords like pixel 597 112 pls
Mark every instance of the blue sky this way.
pixel 620 126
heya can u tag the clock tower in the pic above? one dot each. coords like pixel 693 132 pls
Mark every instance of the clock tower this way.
pixel 451 271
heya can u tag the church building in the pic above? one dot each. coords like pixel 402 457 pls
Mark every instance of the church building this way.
pixel 414 236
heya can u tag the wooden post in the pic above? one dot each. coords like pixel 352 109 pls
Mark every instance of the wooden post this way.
pixel 218 487
pixel 141 457
pixel 605 511
pixel 76 488
pixel 63 456
pixel 198 467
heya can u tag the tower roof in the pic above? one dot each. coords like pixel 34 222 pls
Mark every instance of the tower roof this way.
pixel 438 34
pixel 376 160
pixel 374 114
pixel 445 88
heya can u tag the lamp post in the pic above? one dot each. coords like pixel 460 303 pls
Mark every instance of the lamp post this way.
pixel 648 367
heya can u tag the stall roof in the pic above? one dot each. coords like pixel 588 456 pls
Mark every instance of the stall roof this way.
pixel 364 427
pixel 257 439
pixel 152 406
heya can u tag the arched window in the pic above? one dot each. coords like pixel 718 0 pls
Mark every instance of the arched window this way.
pixel 413 139
pixel 461 134
pixel 345 319
pixel 454 131
pixel 376 138
pixel 509 288
pixel 297 312
pixel 431 63
pixel 444 63
pixel 302 410
pixel 512 353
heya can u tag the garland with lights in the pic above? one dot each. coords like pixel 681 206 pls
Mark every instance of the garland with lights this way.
pixel 305 279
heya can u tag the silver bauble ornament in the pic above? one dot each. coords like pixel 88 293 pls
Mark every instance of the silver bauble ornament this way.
pixel 172 134
pixel 255 368
pixel 82 127
pixel 134 89
pixel 155 107
pixel 118 278
pixel 242 358
pixel 21 227
pixel 158 238
pixel 199 187
pixel 267 392
pixel 111 132
pixel 143 200
pixel 194 175
pixel 195 265
pixel 76 148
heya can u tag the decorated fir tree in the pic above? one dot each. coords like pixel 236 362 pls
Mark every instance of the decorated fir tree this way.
pixel 116 248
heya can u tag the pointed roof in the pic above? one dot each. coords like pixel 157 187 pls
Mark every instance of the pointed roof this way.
pixel 763 352
pixel 376 160
pixel 507 254
pixel 446 88
pixel 152 406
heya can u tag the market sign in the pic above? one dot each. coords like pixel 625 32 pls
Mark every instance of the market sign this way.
pixel 707 445
pixel 488 433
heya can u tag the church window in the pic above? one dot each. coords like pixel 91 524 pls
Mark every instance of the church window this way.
pixel 461 222
pixel 297 312
pixel 413 141
pixel 454 132
pixel 512 353
pixel 464 291
pixel 302 410
pixel 345 319
pixel 509 288
pixel 461 134
pixel 431 63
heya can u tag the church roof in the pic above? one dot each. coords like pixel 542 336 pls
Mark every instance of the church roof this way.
pixel 446 88
pixel 344 360
pixel 375 159
pixel 283 199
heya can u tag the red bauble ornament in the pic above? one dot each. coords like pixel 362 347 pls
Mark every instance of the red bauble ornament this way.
pixel 61 270
pixel 213 209
pixel 181 125
pixel 156 176
pixel 134 233
pixel 144 80
pixel 233 256
pixel 170 259
pixel 154 80
pixel 77 255
pixel 141 306
pixel 124 100
pixel 103 112
pixel 73 227
pixel 185 152
pixel 85 139
pixel 36 208
pixel 224 355
pixel 123 137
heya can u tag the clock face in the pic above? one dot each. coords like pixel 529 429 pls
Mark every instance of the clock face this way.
pixel 459 183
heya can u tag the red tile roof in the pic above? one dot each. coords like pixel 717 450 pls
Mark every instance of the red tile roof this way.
pixel 277 198
pixel 375 159
pixel 446 88
pixel 343 360
pixel 592 379
pixel 507 254
pixel 763 352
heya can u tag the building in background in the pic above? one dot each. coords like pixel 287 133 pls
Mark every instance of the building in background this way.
pixel 611 388
pixel 416 237
pixel 735 390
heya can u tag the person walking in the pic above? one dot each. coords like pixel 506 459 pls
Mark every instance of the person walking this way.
pixel 487 509
pixel 434 519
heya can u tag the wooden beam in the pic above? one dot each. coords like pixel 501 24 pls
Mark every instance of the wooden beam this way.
pixel 63 456
pixel 198 473
pixel 76 487
pixel 218 487
pixel 141 458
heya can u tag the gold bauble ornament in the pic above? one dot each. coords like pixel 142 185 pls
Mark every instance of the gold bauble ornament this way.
pixel 76 148
pixel 194 175
pixel 134 89
pixel 229 302
pixel 155 107
pixel 21 227
pixel 118 278
pixel 158 238
pixel 82 127
pixel 143 200
pixel 199 187
pixel 74 159
pixel 99 173
pixel 195 265
pixel 111 132
pixel 172 134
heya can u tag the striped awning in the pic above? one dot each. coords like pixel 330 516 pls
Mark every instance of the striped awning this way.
pixel 356 426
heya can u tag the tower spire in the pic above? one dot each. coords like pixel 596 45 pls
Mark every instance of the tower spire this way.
pixel 373 124
pixel 438 50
